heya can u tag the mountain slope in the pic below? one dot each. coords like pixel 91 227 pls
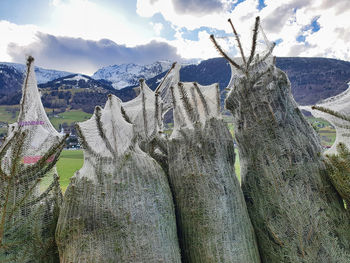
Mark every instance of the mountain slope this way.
pixel 125 75
pixel 312 79
pixel 42 75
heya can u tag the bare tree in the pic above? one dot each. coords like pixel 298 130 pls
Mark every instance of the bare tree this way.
pixel 296 212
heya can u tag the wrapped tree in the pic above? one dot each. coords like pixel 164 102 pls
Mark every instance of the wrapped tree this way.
pixel 29 207
pixel 213 221
pixel 296 213
pixel 118 206
pixel 147 111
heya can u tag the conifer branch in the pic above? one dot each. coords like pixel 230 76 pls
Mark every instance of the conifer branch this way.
pixel 222 53
pixel 238 42
pixel 255 36
pixel 30 60
pixel 40 171
pixel 101 130
pixel 54 150
pixel 173 96
pixel 331 112
pixel 125 116
pixel 144 111
pixel 201 97
pixel 165 77
pixel 83 141
pixel 17 154
pixel 195 104
pixel 185 101
pixel 218 99
pixel 268 54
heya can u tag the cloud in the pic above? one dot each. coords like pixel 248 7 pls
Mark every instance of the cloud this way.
pixel 157 27
pixel 86 56
pixel 89 19
pixel 288 21
pixel 200 7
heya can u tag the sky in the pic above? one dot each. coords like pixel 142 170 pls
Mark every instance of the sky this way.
pixel 85 35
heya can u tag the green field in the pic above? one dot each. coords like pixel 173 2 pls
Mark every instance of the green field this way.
pixel 70 161
pixel 9 114
pixel 69 117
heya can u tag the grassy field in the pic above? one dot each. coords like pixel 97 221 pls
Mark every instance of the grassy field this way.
pixel 9 114
pixel 69 117
pixel 72 160
pixel 69 162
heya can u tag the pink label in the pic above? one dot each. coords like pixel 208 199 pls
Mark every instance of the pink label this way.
pixel 28 123
pixel 34 159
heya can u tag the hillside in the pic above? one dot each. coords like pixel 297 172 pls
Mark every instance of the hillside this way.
pixel 312 79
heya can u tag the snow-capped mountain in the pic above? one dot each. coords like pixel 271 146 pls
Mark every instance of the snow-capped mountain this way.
pixel 125 75
pixel 42 75
pixel 77 81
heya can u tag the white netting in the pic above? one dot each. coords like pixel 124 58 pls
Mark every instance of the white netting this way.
pixel 194 103
pixel 163 90
pixel 261 60
pixel 32 119
pixel 147 110
pixel 141 112
pixel 28 155
pixel 340 104
pixel 118 206
pixel 106 134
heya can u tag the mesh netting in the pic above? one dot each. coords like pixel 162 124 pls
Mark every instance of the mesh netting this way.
pixel 194 103
pixel 147 110
pixel 256 61
pixel 295 211
pixel 163 90
pixel 28 207
pixel 141 112
pixel 212 215
pixel 118 206
pixel 341 105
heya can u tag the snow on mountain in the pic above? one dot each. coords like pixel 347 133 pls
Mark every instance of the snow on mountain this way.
pixel 42 75
pixel 125 75
pixel 78 77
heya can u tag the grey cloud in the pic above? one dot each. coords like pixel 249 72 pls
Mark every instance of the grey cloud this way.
pixel 276 20
pixel 343 34
pixel 86 56
pixel 199 7
pixel 296 50
pixel 339 5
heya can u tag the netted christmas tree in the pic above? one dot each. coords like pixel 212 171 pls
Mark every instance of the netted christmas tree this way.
pixel 213 221
pixel 147 112
pixel 29 190
pixel 118 206
pixel 336 111
pixel 296 212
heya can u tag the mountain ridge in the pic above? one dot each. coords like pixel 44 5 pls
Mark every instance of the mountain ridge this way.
pixel 312 80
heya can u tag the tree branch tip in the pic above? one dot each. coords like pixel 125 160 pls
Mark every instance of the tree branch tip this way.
pixel 30 59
